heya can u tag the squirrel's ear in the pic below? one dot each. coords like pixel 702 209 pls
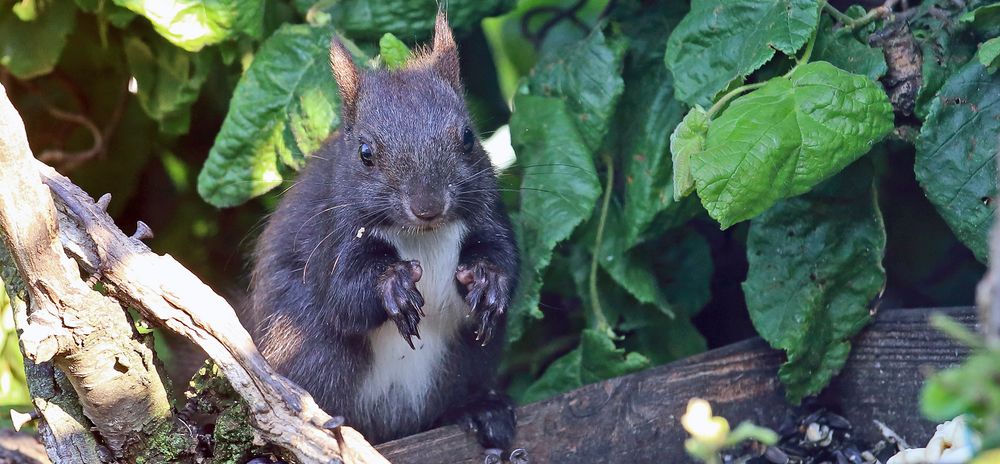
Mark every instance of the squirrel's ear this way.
pixel 347 76
pixel 445 52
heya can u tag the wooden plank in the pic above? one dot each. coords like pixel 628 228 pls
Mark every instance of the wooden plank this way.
pixel 636 418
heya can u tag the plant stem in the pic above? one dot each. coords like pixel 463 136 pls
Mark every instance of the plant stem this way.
pixel 729 96
pixel 851 24
pixel 809 50
pixel 600 320
pixel 837 14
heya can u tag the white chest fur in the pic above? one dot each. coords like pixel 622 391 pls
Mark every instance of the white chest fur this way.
pixel 400 377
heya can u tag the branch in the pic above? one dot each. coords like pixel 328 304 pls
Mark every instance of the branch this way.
pixel 85 334
pixel 904 59
pixel 164 291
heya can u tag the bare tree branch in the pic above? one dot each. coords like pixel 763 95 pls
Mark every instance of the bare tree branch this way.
pixel 85 334
pixel 158 286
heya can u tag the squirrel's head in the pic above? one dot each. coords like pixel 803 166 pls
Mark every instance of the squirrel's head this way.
pixel 416 155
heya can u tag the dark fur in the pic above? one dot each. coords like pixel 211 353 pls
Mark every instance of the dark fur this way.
pixel 318 291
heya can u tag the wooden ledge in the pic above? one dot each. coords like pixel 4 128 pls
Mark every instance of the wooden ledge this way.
pixel 636 418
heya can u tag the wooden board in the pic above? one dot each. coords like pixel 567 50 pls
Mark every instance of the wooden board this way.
pixel 636 418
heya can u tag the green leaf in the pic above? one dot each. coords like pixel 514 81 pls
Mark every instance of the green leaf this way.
pixel 393 51
pixel 989 54
pixel 646 112
pixel 956 154
pixel 944 46
pixel 687 141
pixel 560 119
pixel 284 107
pixel 369 19
pixel 514 53
pixel 664 340
pixel 723 40
pixel 558 192
pixel 26 10
pixel 843 49
pixel 193 24
pixel 784 138
pixel 587 76
pixel 969 388
pixel 169 80
pixel 670 272
pixel 633 270
pixel 815 264
pixel 984 18
pixel 31 49
pixel 597 358
pixel 683 263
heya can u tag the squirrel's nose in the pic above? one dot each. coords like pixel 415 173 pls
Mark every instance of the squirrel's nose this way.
pixel 426 208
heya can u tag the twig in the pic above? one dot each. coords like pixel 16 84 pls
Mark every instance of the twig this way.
pixel 873 14
pixel 69 161
pixel 837 14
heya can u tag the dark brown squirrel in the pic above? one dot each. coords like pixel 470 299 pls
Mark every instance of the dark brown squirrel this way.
pixel 381 282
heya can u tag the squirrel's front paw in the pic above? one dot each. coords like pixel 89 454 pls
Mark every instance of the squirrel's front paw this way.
pixel 487 293
pixel 400 297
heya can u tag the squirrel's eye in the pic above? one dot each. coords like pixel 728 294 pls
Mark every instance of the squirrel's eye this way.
pixel 468 139
pixel 366 154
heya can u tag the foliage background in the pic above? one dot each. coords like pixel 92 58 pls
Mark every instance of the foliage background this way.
pixel 622 271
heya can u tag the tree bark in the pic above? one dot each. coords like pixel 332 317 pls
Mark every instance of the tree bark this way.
pixel 162 290
pixel 988 290
pixel 84 333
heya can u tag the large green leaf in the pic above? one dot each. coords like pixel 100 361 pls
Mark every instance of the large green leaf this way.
pixel 284 107
pixel 723 40
pixel 597 358
pixel 786 137
pixel 32 48
pixel 193 24
pixel 560 119
pixel 168 81
pixel 956 154
pixel 815 265
pixel 559 190
pixel 587 76
pixel 646 112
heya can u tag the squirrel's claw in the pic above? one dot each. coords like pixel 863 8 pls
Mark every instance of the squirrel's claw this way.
pixel 402 301
pixel 518 456
pixel 487 291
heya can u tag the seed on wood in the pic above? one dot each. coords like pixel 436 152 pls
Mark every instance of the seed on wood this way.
pixel 775 455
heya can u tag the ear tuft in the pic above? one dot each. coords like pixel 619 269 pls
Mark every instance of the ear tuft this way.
pixel 445 53
pixel 346 74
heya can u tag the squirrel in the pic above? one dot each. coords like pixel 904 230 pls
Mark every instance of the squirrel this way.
pixel 381 281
